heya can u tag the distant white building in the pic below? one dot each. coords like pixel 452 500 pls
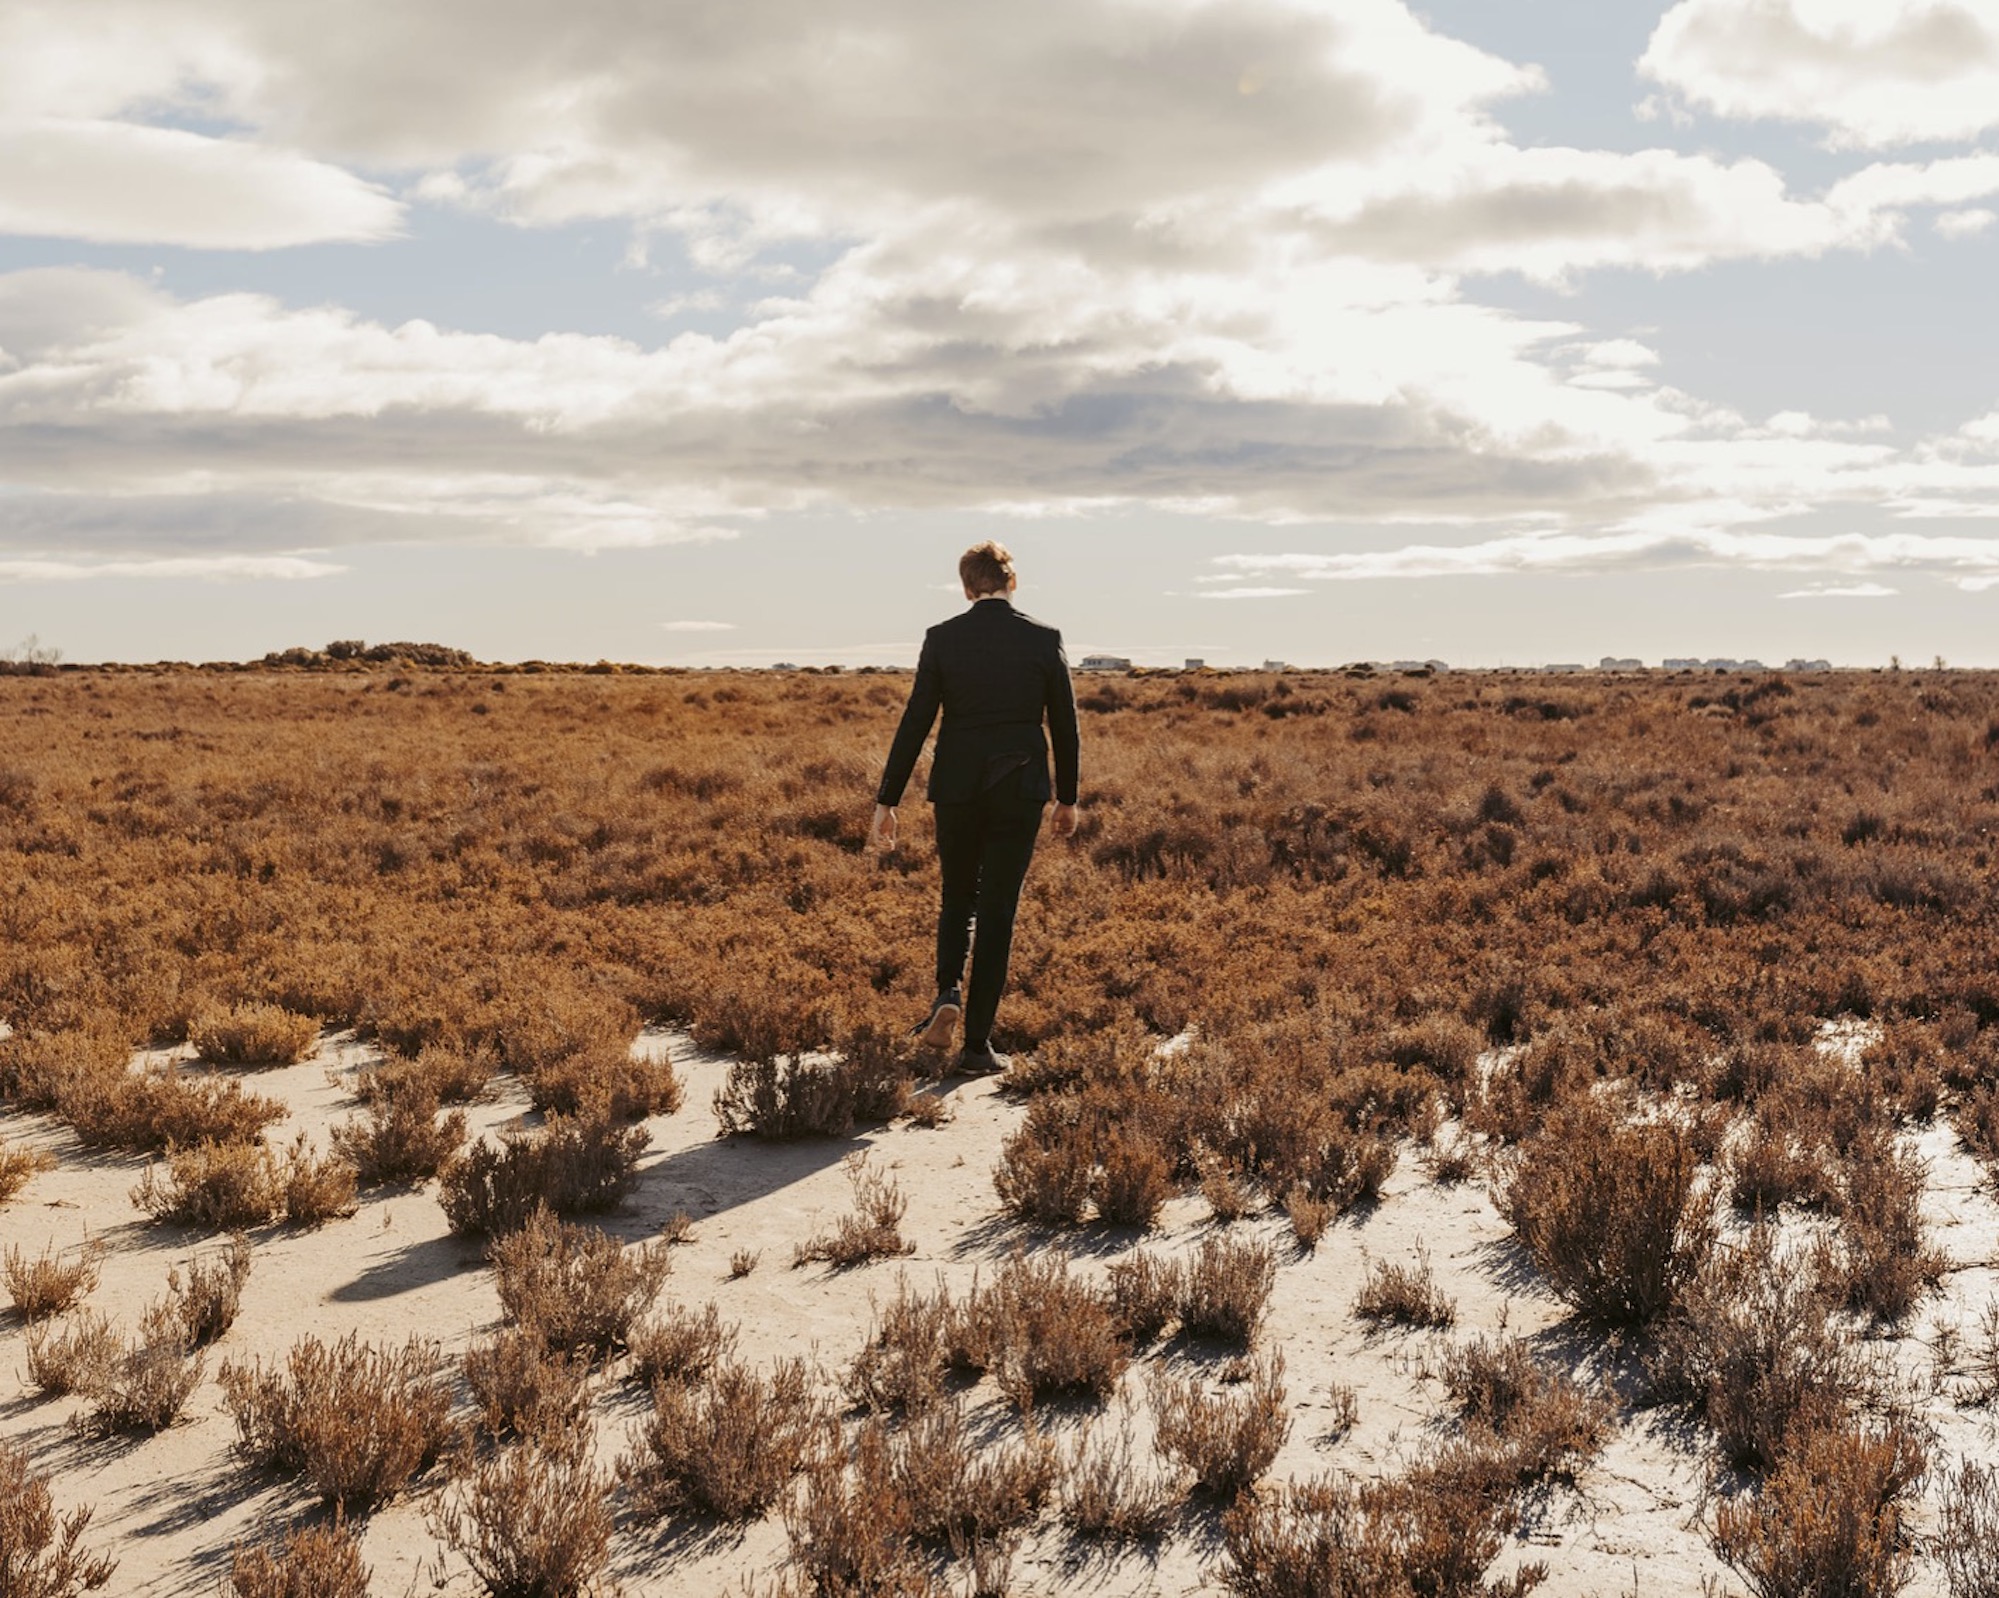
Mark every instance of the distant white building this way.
pixel 1619 663
pixel 784 665
pixel 1418 665
pixel 1103 663
pixel 1276 665
pixel 1194 664
pixel 1808 665
pixel 1681 663
pixel 1565 666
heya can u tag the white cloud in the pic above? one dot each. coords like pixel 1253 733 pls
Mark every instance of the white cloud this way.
pixel 1250 593
pixel 207 568
pixel 1964 224
pixel 122 183
pixel 1969 562
pixel 1872 73
pixel 698 626
pixel 1845 591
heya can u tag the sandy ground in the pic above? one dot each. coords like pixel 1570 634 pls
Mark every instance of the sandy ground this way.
pixel 170 1506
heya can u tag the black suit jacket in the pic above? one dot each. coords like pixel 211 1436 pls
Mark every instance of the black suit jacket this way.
pixel 995 673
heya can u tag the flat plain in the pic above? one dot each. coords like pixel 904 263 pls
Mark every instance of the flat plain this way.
pixel 1481 1132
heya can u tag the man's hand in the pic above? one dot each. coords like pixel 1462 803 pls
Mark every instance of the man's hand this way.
pixel 1063 822
pixel 883 830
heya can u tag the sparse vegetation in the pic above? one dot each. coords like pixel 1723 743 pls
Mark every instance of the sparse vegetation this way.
pixel 306 1562
pixel 533 1521
pixel 571 1166
pixel 255 1035
pixel 41 1552
pixel 872 1231
pixel 726 1446
pixel 1404 1295
pixel 52 1281
pixel 576 1287
pixel 1225 1440
pixel 356 1422
pixel 17 1165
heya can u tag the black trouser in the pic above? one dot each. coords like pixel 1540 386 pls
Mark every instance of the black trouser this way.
pixel 983 846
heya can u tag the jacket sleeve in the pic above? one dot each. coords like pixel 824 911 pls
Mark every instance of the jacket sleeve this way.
pixel 926 694
pixel 1063 741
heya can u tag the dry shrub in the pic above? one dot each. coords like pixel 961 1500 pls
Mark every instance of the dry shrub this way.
pixel 54 1280
pixel 1133 1179
pixel 1230 1198
pixel 1108 1145
pixel 1145 1295
pixel 850 1526
pixel 216 1186
pixel 961 1493
pixel 1877 1258
pixel 742 1262
pixel 874 1228
pixel 523 1388
pixel 39 1068
pixel 1966 1542
pixel 163 1107
pixel 1309 1214
pixel 533 1521
pixel 1752 1349
pixel 907 1357
pixel 1610 1212
pixel 315 1190
pixel 793 1096
pixel 1404 1295
pixel 608 1081
pixel 357 1422
pixel 1225 1289
pixel 1042 1332
pixel 1107 1491
pixel 1044 1179
pixel 1427 1536
pixel 1830 1518
pixel 40 1556
pixel 17 1165
pixel 231 1186
pixel 71 1357
pixel 306 1562
pixel 398 1137
pixel 449 1073
pixel 574 1286
pixel 679 1345
pixel 147 1381
pixel 573 1165
pixel 725 1447
pixel 206 1300
pixel 1524 1424
pixel 255 1035
pixel 1226 1441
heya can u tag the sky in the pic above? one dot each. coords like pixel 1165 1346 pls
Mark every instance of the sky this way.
pixel 710 332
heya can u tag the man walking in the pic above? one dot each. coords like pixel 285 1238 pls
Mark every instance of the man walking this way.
pixel 995 673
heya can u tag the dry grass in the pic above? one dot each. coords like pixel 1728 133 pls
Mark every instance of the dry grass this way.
pixel 1145 1295
pixel 724 1447
pixel 962 1492
pixel 874 1228
pixel 573 1286
pixel 784 1095
pixel 906 1359
pixel 306 1562
pixel 533 1521
pixel 257 1035
pixel 572 1166
pixel 41 1553
pixel 1404 1295
pixel 233 1186
pixel 446 1073
pixel 204 1302
pixel 1831 1518
pixel 1225 1440
pixel 162 1107
pixel 53 1280
pixel 851 1527
pixel 356 1422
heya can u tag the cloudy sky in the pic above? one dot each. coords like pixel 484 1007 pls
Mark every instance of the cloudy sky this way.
pixel 710 331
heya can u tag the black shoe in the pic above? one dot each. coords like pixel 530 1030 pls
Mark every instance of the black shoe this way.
pixel 935 1031
pixel 981 1061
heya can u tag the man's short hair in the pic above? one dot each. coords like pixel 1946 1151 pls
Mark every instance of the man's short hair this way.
pixel 986 568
